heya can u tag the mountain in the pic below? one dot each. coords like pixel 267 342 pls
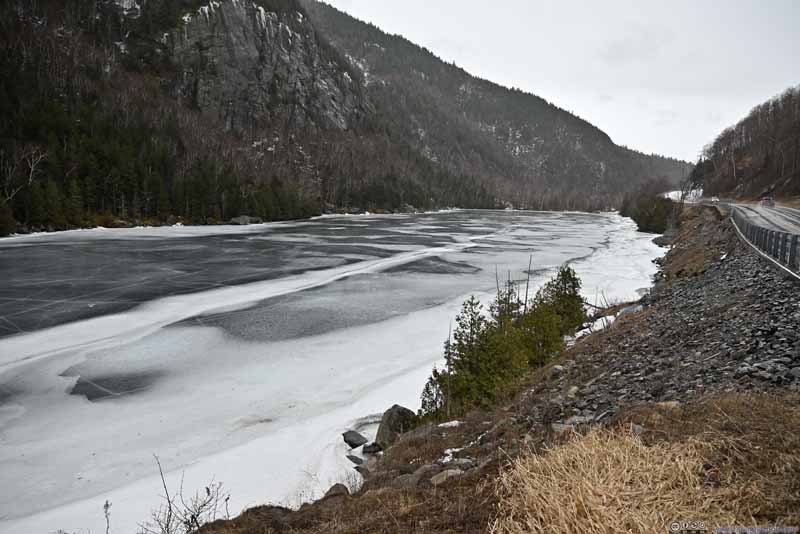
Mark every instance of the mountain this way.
pixel 205 110
pixel 541 154
pixel 759 155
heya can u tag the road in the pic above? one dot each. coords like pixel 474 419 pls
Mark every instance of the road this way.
pixel 777 218
pixel 775 231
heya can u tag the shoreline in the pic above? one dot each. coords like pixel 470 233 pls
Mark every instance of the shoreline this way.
pixel 252 227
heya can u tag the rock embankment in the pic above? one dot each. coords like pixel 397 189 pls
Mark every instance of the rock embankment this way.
pixel 733 324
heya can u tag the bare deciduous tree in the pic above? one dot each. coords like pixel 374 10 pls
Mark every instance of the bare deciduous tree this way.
pixel 181 515
pixel 19 168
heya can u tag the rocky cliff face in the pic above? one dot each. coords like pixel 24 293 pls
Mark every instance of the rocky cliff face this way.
pixel 252 67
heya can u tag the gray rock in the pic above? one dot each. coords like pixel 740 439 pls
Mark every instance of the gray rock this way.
pixel 354 439
pixel 428 470
pixel 372 448
pixel 337 490
pixel 579 420
pixel 462 464
pixel 355 459
pixel 444 476
pixel 406 482
pixel 424 431
pixel 394 422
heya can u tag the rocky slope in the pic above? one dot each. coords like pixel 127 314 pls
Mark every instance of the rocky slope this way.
pixel 719 321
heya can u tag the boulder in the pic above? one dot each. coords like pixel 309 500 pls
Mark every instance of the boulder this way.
pixel 428 470
pixel 337 490
pixel 394 422
pixel 422 432
pixel 444 476
pixel 355 459
pixel 354 439
pixel 372 448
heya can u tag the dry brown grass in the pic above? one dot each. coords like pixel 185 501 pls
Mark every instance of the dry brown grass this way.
pixel 612 482
pixel 465 506
pixel 691 253
pixel 732 460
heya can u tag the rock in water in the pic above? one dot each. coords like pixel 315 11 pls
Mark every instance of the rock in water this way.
pixel 372 448
pixel 394 422
pixel 354 439
pixel 355 459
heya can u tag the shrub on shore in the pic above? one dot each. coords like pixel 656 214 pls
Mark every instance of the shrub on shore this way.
pixel 488 355
pixel 651 213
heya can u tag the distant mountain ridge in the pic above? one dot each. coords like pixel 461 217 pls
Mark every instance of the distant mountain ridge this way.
pixel 205 110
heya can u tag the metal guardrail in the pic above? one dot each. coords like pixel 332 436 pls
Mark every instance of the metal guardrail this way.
pixel 783 247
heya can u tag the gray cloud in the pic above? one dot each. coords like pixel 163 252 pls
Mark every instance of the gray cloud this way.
pixel 639 44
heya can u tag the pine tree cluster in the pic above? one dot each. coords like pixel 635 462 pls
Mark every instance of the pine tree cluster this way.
pixel 488 355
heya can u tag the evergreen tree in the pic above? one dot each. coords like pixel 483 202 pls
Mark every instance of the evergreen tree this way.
pixel 486 358
pixel 54 205
pixel 37 211
pixel 563 294
pixel 7 223
pixel 164 205
pixel 74 205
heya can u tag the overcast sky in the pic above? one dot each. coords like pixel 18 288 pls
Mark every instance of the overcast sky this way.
pixel 662 77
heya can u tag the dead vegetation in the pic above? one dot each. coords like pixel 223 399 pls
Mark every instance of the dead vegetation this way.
pixel 730 460
pixel 464 506
pixel 689 255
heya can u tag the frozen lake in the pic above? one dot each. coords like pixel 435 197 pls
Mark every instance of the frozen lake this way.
pixel 242 353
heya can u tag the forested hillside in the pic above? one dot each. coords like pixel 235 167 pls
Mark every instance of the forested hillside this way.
pixel 759 155
pixel 118 112
pixel 544 156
